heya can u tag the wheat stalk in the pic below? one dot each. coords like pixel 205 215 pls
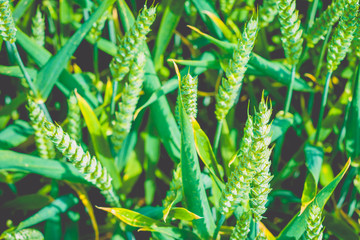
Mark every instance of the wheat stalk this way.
pixel 130 44
pixel 92 169
pixel 290 30
pixel 129 99
pixel 230 85
pixel 321 25
pixel 7 25
pixel 314 228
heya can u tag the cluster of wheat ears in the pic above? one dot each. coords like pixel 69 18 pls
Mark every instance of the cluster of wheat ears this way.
pixel 232 208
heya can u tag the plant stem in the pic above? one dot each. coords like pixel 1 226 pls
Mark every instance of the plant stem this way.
pixel 219 224
pixel 96 63
pixel 32 87
pixel 323 105
pixel 217 136
pixel 290 90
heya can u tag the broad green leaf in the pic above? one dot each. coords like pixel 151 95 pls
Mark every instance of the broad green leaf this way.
pixel 14 161
pixel 227 147
pixel 98 138
pixel 176 200
pixel 21 8
pixel 58 206
pixel 204 149
pixel 67 82
pixel 327 174
pixel 132 173
pixel 132 218
pixel 15 134
pixel 28 202
pixel 182 214
pixel 296 227
pixel 194 192
pixel 49 74
pixel 353 123
pixel 280 125
pixel 14 71
pixel 71 228
pixel 169 21
pixel 171 233
pixel 313 159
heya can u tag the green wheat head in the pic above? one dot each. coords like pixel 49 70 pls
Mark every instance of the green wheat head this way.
pixel 314 227
pixel 7 26
pixel 24 234
pixel 321 25
pixel 44 146
pixel 343 35
pixel 98 26
pixel 129 99
pixel 92 169
pixel 267 12
pixel 175 187
pixel 290 30
pixel 74 118
pixel 260 164
pixel 189 86
pixel 130 44
pixel 242 227
pixel 38 28
pixel 230 85
pixel 261 236
pixel 237 188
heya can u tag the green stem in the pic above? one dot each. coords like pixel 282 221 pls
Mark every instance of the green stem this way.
pixel 219 224
pixel 323 105
pixel 217 136
pixel 312 14
pixel 96 62
pixel 17 57
pixel 290 90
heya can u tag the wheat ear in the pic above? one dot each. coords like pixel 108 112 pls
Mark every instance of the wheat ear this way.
pixel 188 85
pixel 356 40
pixel 267 12
pixel 261 236
pixel 230 85
pixel 129 99
pixel 130 44
pixel 260 164
pixel 175 187
pixel 7 26
pixel 237 188
pixel 74 118
pixel 314 228
pixel 242 227
pixel 321 25
pixel 24 234
pixel 92 169
pixel 38 28
pixel 343 35
pixel 290 30
pixel 98 26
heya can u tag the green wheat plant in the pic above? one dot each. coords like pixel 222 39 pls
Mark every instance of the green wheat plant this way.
pixel 102 137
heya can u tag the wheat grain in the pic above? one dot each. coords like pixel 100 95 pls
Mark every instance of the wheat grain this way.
pixel 314 227
pixel 7 26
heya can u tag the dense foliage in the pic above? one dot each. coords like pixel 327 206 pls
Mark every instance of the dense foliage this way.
pixel 179 119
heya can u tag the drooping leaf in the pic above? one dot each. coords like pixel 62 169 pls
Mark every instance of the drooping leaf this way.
pixel 182 214
pixel 280 125
pixel 15 134
pixel 28 202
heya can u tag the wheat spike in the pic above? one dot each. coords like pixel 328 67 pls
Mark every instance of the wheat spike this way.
pixel 38 28
pixel 175 187
pixel 129 99
pixel 314 228
pixel 74 118
pixel 230 85
pixel 7 26
pixel 131 43
pixel 321 25
pixel 98 26
pixel 343 35
pixel 24 234
pixel 242 227
pixel 290 30
pixel 92 169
